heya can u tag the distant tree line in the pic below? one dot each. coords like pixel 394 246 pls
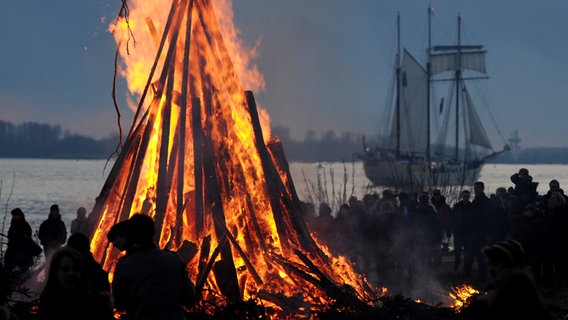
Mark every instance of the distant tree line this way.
pixel 37 140
pixel 327 147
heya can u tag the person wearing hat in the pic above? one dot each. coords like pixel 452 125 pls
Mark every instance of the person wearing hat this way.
pixel 19 253
pixel 513 293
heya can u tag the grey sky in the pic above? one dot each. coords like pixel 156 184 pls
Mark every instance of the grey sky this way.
pixel 326 62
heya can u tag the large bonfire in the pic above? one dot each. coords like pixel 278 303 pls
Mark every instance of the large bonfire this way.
pixel 199 160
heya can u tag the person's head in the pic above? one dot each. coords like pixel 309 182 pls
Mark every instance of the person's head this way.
pixel 524 172
pixel 80 242
pixel 436 194
pixel 501 192
pixel 479 188
pixel 388 194
pixel 17 214
pixel 556 200
pixel 81 213
pixel 67 271
pixel 504 255
pixel 324 210
pixel 140 229
pixel 343 210
pixel 424 197
pixel 465 195
pixel 117 236
pixel 353 202
pixel 54 211
pixel 554 185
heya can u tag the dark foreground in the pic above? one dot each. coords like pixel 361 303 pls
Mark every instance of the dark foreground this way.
pixel 433 303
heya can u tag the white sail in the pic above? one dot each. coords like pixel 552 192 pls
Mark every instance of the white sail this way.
pixel 413 107
pixel 449 62
pixel 477 134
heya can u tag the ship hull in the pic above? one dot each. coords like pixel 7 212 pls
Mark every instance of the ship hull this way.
pixel 405 175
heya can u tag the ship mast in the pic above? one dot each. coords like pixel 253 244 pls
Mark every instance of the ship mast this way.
pixel 428 84
pixel 458 86
pixel 398 85
pixel 457 52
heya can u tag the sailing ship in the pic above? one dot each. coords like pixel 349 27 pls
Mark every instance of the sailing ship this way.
pixel 410 158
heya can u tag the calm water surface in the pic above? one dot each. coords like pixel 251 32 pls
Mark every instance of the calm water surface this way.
pixel 35 184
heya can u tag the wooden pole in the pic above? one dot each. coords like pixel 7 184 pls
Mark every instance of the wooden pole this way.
pixel 162 189
pixel 182 121
pixel 171 17
pixel 273 180
pixel 198 163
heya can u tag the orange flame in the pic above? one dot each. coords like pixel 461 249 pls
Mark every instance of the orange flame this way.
pixel 195 165
pixel 461 296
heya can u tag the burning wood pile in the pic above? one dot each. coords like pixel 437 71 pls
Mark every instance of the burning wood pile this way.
pixel 197 160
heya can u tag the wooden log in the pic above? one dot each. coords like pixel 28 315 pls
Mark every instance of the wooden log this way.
pixel 281 200
pixel 172 19
pixel 212 31
pixel 223 271
pixel 203 255
pixel 271 175
pixel 213 192
pixel 202 276
pixel 184 102
pixel 187 251
pixel 121 162
pixel 290 305
pixel 279 156
pixel 162 189
pixel 256 226
pixel 197 163
pixel 134 174
pixel 347 297
pixel 297 219
pixel 343 297
pixel 243 255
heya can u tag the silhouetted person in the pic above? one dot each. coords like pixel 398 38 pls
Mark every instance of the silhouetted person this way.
pixel 117 236
pixel 477 234
pixel 324 224
pixel 67 294
pixel 80 223
pixel 554 186
pixel 150 283
pixel 52 232
pixel 528 222
pixel 21 247
pixel 521 179
pixel 498 225
pixel 461 212
pixel 425 231
pixel 443 213
pixel 555 239
pixel 98 278
pixel 513 293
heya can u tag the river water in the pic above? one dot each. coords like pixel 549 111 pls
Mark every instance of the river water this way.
pixel 35 184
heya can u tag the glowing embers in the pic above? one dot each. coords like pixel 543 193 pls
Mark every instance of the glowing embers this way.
pixel 461 295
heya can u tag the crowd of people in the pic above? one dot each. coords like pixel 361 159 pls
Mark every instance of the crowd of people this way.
pixel 405 235
pixel 148 283
pixel 514 234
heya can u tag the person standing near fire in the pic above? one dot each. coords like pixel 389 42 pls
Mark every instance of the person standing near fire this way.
pixel 52 232
pixel 79 224
pixel 150 283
